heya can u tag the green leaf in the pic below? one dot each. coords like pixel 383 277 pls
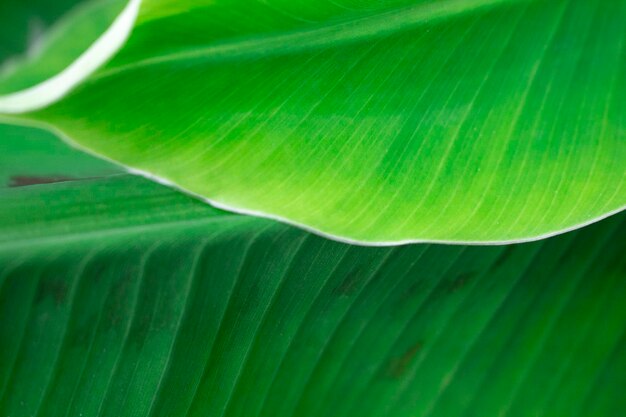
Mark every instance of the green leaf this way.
pixel 23 22
pixel 29 156
pixel 377 122
pixel 53 49
pixel 120 297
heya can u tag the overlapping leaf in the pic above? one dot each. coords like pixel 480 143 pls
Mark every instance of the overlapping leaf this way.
pixel 381 122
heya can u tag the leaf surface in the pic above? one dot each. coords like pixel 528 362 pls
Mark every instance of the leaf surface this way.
pixel 31 156
pixel 377 122
pixel 23 21
pixel 52 44
pixel 225 315
pixel 120 297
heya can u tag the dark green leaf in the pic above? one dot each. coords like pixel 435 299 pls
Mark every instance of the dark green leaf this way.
pixel 119 297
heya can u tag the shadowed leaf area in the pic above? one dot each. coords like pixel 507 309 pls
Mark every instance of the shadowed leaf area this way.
pixel 134 300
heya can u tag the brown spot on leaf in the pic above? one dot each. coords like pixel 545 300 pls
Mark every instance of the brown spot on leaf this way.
pixel 460 282
pixel 503 258
pixel 415 289
pixel 55 289
pixel 397 366
pixel 26 180
pixel 351 282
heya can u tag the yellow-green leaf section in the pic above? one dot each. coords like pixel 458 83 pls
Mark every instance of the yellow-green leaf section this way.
pixel 372 121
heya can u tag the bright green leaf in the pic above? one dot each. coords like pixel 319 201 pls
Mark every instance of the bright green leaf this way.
pixel 381 122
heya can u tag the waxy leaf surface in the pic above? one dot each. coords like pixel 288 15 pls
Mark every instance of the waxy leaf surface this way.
pixel 377 122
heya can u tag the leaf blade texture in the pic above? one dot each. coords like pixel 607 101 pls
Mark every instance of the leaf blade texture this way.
pixel 380 123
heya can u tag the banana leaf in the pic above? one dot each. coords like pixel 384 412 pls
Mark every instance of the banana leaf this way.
pixel 381 122
pixel 121 297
